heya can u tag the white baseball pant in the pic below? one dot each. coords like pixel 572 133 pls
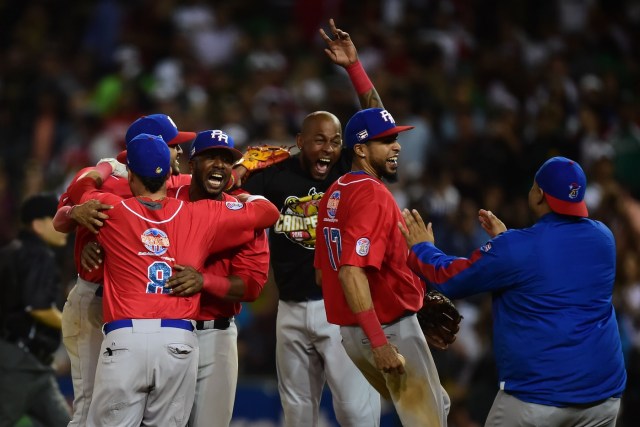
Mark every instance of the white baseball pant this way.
pixel 308 353
pixel 417 395
pixel 82 336
pixel 146 374
pixel 217 376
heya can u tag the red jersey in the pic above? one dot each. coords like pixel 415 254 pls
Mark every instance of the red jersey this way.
pixel 114 185
pixel 250 262
pixel 357 225
pixel 143 239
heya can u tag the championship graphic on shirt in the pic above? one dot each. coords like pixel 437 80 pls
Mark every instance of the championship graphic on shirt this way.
pixel 298 219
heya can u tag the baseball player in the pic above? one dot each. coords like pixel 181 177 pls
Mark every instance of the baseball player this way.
pixel 229 278
pixel 308 349
pixel 82 312
pixel 368 288
pixel 148 358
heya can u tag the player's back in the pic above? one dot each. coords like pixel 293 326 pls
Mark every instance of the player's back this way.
pixel 144 239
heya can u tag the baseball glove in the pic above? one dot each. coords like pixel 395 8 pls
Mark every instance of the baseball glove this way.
pixel 263 156
pixel 439 319
pixel 254 159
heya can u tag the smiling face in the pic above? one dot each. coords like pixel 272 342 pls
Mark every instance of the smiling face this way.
pixel 210 170
pixel 320 143
pixel 175 151
pixel 381 157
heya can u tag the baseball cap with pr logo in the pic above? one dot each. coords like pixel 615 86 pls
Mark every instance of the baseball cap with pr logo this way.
pixel 370 124
pixel 213 139
pixel 155 124
pixel 564 183
pixel 148 156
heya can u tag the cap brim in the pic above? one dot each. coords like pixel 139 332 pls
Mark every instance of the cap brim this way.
pixel 122 157
pixel 237 155
pixel 388 132
pixel 181 137
pixel 567 208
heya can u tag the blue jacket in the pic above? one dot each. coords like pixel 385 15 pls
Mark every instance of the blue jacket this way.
pixel 556 339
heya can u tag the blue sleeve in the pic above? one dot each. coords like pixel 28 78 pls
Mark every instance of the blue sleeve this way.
pixel 490 268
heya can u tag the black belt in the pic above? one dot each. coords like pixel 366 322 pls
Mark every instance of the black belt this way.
pixel 99 291
pixel 164 323
pixel 222 324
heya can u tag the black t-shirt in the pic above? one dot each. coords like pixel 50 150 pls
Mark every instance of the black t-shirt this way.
pixel 32 281
pixel 292 238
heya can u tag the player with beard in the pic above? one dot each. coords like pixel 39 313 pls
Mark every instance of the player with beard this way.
pixel 229 278
pixel 368 288
pixel 308 349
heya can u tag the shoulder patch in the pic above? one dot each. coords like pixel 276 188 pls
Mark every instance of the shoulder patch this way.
pixel 486 248
pixel 332 204
pixel 362 246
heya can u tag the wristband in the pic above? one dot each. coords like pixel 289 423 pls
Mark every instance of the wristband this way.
pixel 359 78
pixel 368 321
pixel 68 213
pixel 104 169
pixel 216 285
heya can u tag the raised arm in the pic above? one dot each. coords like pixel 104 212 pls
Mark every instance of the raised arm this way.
pixel 342 52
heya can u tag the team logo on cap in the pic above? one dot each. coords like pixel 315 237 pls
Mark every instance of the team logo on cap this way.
pixel 362 246
pixel 158 170
pixel 387 117
pixel 573 190
pixel 156 241
pixel 362 135
pixel 332 204
pixel 220 136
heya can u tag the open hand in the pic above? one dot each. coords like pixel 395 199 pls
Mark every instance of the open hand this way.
pixel 415 230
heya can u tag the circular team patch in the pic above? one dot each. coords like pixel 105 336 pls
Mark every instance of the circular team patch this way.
pixel 362 246
pixel 156 241
pixel 234 206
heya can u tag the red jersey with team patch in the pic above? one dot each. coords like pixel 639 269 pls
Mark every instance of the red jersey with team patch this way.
pixel 357 225
pixel 250 262
pixel 114 185
pixel 144 239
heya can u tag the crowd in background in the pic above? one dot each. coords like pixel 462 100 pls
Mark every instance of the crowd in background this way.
pixel 492 87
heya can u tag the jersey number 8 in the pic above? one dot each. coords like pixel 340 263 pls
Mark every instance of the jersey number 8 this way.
pixel 158 272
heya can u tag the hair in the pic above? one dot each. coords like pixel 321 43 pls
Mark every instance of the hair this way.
pixel 38 206
pixel 152 184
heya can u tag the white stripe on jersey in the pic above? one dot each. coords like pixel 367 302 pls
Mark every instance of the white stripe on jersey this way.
pixel 356 182
pixel 151 221
pixel 177 196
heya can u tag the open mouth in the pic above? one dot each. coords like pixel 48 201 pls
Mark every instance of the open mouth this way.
pixel 393 161
pixel 215 179
pixel 322 165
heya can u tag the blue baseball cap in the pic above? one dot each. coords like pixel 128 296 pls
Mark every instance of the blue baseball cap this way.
pixel 213 139
pixel 564 183
pixel 370 124
pixel 159 125
pixel 148 156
